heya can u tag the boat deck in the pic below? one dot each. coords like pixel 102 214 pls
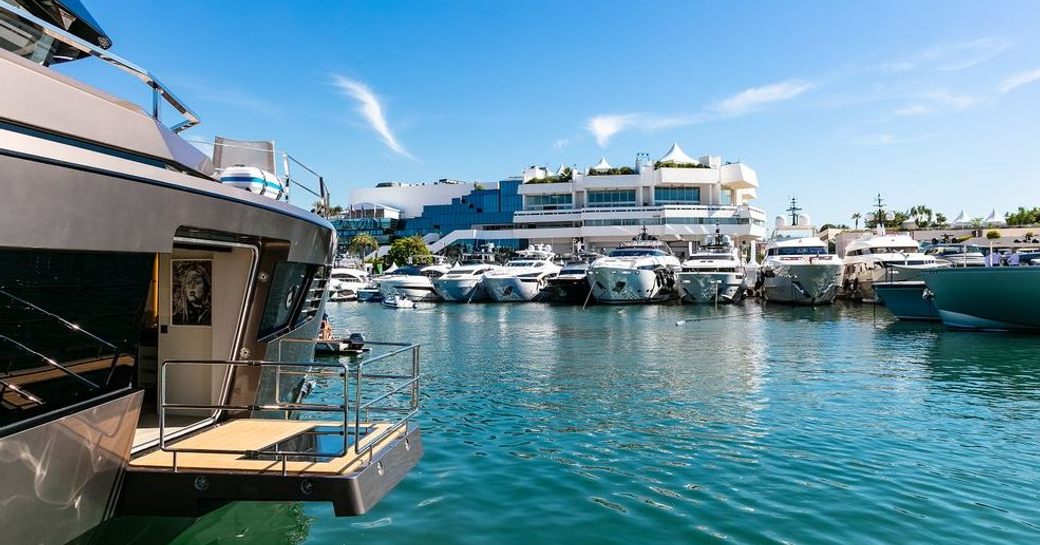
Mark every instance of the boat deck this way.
pixel 255 434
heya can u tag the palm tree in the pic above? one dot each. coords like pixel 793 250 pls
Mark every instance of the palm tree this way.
pixel 976 227
pixel 361 242
pixel 940 219
pixel 856 217
pixel 922 215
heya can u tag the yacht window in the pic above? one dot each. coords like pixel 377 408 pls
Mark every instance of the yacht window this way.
pixel 637 252
pixel 81 311
pixel 26 40
pixel 287 288
pixel 799 250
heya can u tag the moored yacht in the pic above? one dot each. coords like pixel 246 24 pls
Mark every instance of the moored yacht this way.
pixel 344 283
pixel 713 273
pixel 464 282
pixel 639 271
pixel 955 254
pixel 523 277
pixel 414 281
pixel 882 258
pixel 571 284
pixel 158 326
pixel 800 271
pixel 988 298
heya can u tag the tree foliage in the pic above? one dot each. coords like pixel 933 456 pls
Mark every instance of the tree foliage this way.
pixel 404 248
pixel 361 242
pixel 1023 216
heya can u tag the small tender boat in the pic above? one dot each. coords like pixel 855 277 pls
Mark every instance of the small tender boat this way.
pixel 397 301
pixel 353 344
pixel 908 300
pixel 369 294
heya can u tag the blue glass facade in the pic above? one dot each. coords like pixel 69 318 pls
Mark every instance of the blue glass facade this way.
pixel 492 207
pixel 619 197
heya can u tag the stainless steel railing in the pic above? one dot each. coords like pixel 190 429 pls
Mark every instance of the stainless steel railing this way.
pixel 358 406
pixel 159 91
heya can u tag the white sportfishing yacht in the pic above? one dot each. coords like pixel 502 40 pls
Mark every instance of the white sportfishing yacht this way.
pixel 158 326
pixel 344 283
pixel 639 271
pixel 713 273
pixel 464 282
pixel 797 267
pixel 523 277
pixel 415 281
pixel 882 258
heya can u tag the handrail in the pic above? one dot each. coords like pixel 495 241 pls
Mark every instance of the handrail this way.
pixel 351 409
pixel 158 89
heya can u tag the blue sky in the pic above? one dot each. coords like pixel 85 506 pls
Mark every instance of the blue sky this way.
pixel 924 102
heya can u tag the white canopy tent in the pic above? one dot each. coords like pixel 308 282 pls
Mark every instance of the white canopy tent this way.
pixel 677 155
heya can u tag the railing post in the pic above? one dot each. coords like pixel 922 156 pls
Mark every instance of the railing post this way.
pixel 357 410
pixel 156 105
pixel 415 377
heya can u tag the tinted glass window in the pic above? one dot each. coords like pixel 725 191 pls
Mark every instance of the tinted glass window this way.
pixel 70 324
pixel 288 285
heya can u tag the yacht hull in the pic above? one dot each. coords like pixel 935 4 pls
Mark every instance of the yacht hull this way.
pixel 711 287
pixel 998 298
pixel 416 289
pixel 62 476
pixel 908 300
pixel 570 289
pixel 505 289
pixel 461 290
pixel 802 284
pixel 621 286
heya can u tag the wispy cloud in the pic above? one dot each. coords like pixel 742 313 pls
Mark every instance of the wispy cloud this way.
pixel 937 102
pixel 887 139
pixel 227 96
pixel 372 111
pixel 603 127
pixel 1015 81
pixel 754 98
pixel 951 57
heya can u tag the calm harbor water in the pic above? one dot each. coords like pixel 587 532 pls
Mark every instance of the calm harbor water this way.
pixel 745 424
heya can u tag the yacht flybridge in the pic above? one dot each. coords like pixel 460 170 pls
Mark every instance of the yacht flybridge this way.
pixel 157 326
pixel 523 277
pixel 640 271
pixel 714 273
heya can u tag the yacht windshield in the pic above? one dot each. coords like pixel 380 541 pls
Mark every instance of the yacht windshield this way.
pixel 637 252
pixel 522 264
pixel 798 250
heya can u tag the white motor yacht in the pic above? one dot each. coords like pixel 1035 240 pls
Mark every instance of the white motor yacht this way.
pixel 800 271
pixel 957 255
pixel 640 271
pixel 464 282
pixel 882 258
pixel 713 273
pixel 345 283
pixel 522 278
pixel 414 281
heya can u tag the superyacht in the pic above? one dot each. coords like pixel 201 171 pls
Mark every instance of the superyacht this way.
pixel 714 273
pixel 142 301
pixel 464 282
pixel 797 268
pixel 523 277
pixel 640 271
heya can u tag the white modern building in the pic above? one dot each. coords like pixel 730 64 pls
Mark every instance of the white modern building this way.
pixel 677 198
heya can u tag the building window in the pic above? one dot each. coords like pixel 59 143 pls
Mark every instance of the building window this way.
pixel 549 202
pixel 677 195
pixel 621 197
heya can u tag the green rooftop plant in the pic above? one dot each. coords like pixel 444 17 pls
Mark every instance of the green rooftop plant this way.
pixel 674 164
pixel 993 234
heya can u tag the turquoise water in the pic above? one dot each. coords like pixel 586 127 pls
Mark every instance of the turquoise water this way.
pixel 742 425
